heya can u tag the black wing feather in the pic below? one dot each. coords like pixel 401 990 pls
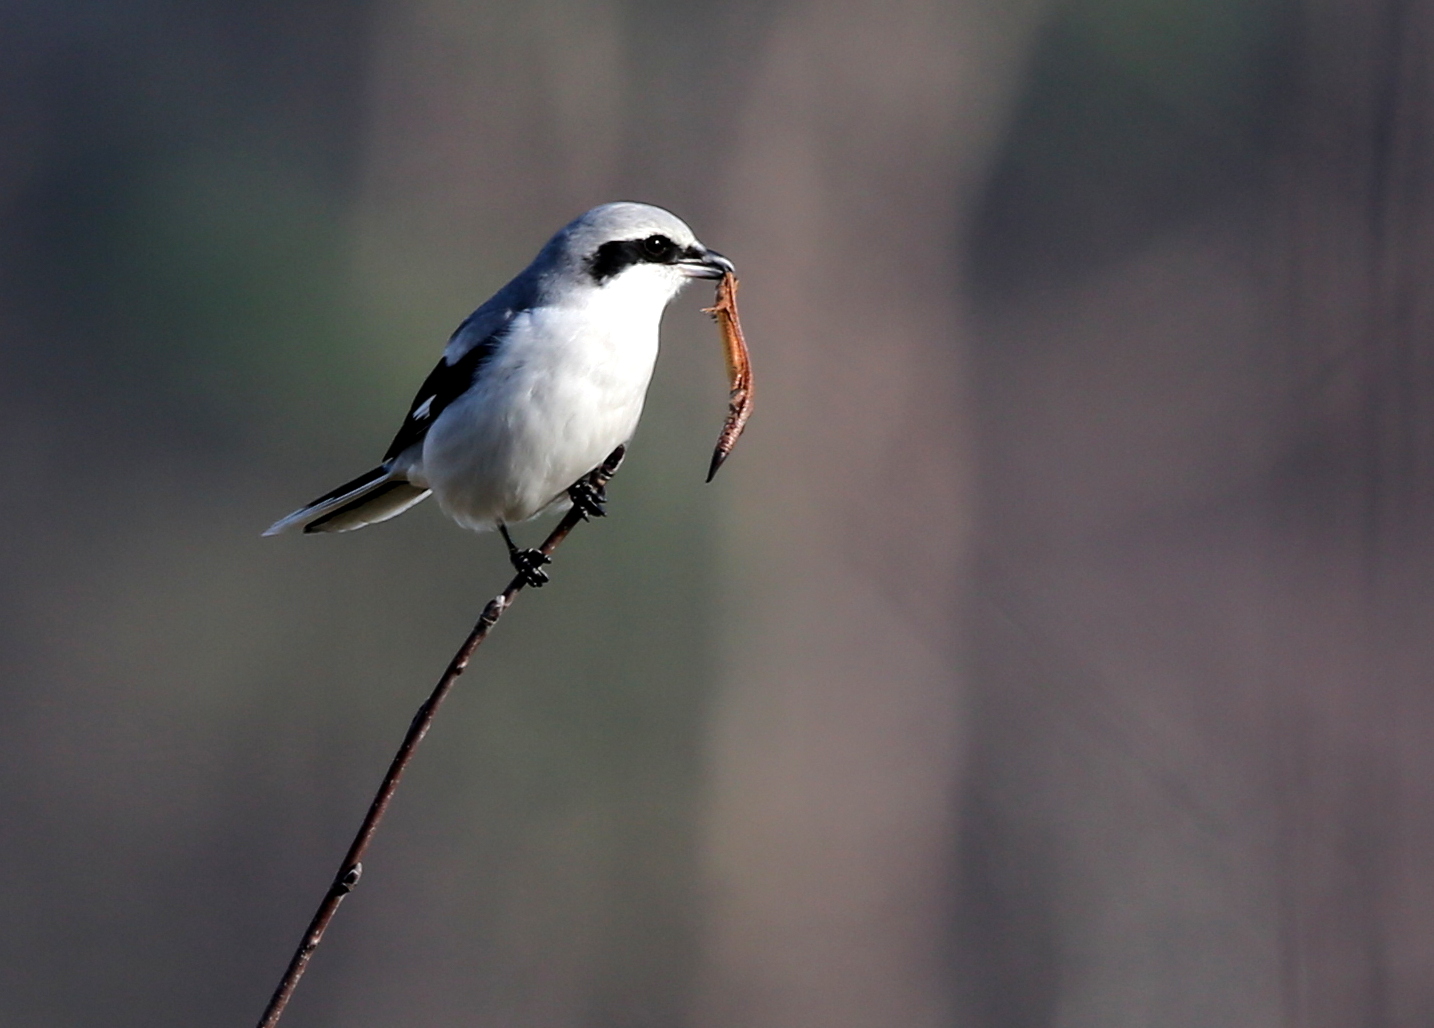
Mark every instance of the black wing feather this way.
pixel 444 384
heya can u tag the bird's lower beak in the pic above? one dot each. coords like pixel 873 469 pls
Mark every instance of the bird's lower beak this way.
pixel 704 263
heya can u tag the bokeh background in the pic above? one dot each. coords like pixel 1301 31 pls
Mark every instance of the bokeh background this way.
pixel 1054 651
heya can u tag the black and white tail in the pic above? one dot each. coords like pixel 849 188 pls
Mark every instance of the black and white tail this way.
pixel 372 497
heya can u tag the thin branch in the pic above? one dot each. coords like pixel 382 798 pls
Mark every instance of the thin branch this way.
pixel 352 867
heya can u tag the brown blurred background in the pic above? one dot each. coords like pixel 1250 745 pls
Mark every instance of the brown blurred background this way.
pixel 1054 652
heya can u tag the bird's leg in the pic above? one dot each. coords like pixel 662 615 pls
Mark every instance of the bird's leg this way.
pixel 589 493
pixel 528 563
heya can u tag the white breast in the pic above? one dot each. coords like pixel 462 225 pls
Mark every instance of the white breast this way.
pixel 563 391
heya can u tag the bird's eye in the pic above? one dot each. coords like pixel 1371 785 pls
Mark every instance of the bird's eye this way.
pixel 657 248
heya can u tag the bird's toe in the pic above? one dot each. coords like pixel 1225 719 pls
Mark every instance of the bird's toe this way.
pixel 529 565
pixel 588 499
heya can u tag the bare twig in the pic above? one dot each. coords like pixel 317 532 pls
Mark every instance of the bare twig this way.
pixel 352 866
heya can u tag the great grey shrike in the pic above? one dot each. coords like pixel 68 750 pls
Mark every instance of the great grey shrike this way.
pixel 536 387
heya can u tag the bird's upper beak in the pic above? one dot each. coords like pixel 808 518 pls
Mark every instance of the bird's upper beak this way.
pixel 700 262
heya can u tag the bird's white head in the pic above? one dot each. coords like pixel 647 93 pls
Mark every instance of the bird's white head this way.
pixel 632 247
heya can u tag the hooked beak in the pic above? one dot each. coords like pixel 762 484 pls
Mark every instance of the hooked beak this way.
pixel 700 262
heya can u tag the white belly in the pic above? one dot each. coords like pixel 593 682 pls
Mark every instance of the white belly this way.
pixel 563 391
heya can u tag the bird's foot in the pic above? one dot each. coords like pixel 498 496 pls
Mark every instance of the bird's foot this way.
pixel 529 565
pixel 588 498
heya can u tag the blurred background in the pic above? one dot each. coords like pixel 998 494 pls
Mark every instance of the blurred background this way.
pixel 1055 650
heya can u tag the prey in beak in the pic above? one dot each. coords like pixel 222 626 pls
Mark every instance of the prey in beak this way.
pixel 739 362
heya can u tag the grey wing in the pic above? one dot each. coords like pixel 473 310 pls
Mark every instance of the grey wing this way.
pixel 470 346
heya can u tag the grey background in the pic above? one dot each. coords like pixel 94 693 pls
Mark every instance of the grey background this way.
pixel 1053 652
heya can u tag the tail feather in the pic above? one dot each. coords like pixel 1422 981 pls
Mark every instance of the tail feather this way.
pixel 374 496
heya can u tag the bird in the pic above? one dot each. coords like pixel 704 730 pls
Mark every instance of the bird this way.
pixel 534 388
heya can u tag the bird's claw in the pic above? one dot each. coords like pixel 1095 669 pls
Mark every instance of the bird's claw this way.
pixel 529 565
pixel 588 499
